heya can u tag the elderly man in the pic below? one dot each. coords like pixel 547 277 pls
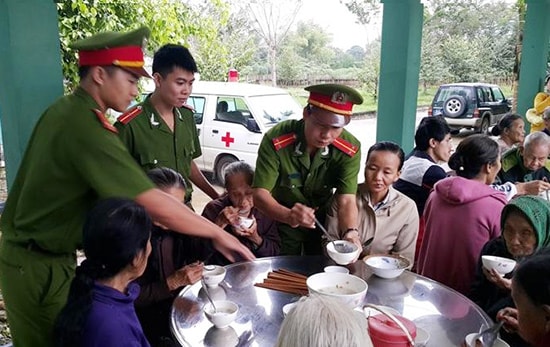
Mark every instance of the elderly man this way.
pixel 528 162
pixel 302 163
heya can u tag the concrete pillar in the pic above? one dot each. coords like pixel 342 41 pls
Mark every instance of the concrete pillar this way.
pixel 399 70
pixel 534 53
pixel 30 71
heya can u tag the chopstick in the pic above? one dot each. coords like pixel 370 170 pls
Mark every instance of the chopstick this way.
pixel 285 281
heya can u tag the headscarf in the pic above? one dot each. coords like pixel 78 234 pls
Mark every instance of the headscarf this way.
pixel 537 212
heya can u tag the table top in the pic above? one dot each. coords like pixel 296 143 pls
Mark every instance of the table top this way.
pixel 446 314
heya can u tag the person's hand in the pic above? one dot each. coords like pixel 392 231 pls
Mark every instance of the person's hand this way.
pixel 353 237
pixel 250 233
pixel 301 215
pixel 229 215
pixel 188 274
pixel 533 187
pixel 509 316
pixel 229 246
pixel 494 277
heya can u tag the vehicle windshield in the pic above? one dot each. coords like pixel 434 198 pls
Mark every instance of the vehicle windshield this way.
pixel 272 109
pixel 447 92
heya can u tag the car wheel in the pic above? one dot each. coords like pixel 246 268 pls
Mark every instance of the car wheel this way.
pixel 221 166
pixel 454 106
pixel 484 127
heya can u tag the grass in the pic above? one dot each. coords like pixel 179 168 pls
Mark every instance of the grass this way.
pixel 424 97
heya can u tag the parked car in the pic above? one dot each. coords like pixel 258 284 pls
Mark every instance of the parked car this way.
pixel 475 106
pixel 231 119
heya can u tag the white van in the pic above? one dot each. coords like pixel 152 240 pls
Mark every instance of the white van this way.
pixel 232 117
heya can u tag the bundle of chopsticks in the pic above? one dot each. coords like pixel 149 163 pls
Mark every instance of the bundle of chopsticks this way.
pixel 285 281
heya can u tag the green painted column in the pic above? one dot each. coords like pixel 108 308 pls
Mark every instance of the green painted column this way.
pixel 534 53
pixel 399 69
pixel 30 71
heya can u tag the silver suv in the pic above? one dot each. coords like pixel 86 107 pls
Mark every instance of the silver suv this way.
pixel 475 106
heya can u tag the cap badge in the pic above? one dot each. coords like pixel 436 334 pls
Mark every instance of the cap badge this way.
pixel 339 98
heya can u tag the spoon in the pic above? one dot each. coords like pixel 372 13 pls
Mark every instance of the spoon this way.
pixel 488 336
pixel 208 296
pixel 341 248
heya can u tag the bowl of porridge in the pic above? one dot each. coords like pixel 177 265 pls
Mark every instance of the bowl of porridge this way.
pixel 347 288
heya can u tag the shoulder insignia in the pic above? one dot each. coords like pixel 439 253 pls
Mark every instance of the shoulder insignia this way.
pixel 283 141
pixel 189 107
pixel 127 116
pixel 345 146
pixel 104 121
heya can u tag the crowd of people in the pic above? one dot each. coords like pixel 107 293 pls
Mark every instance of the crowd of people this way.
pixel 123 194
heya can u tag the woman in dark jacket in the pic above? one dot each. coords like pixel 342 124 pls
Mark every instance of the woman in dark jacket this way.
pixel 175 261
pixel 525 223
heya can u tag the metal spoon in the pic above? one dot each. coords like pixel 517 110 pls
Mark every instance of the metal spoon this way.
pixel 341 248
pixel 208 296
pixel 488 336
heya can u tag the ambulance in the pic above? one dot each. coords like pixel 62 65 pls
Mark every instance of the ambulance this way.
pixel 231 118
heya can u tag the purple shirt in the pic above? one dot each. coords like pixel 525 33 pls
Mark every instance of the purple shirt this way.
pixel 112 320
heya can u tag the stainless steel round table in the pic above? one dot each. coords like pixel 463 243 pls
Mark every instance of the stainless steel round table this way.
pixel 447 315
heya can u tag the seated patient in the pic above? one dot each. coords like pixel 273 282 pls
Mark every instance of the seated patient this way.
pixel 531 294
pixel 261 237
pixel 525 223
pixel 175 261
pixel 100 307
pixel 384 213
pixel 320 321
pixel 462 214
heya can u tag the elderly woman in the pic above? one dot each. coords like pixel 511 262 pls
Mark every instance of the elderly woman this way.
pixel 261 236
pixel 100 307
pixel 321 321
pixel 510 130
pixel 386 216
pixel 525 224
pixel 462 214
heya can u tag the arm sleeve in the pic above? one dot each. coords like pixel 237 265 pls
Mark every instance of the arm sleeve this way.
pixel 152 292
pixel 434 174
pixel 267 166
pixel 271 244
pixel 347 174
pixel 406 240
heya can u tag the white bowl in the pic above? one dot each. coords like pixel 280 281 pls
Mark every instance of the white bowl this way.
pixel 387 266
pixel 500 264
pixel 213 275
pixel 225 313
pixel 339 257
pixel 245 223
pixel 349 289
pixel 336 268
pixel 422 337
pixel 470 341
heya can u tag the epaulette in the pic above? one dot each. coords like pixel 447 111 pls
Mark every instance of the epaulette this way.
pixel 127 116
pixel 509 160
pixel 345 146
pixel 189 107
pixel 104 121
pixel 284 141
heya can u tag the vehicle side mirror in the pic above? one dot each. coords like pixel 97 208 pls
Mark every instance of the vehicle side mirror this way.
pixel 252 126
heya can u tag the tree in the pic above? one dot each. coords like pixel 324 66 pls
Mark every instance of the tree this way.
pixel 169 21
pixel 272 22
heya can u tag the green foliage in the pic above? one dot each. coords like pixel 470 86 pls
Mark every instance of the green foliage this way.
pixel 215 39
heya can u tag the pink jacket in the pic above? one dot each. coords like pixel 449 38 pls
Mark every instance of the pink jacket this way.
pixel 461 216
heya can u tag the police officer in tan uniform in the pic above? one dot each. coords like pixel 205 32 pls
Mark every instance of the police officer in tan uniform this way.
pixel 301 163
pixel 74 158
pixel 161 131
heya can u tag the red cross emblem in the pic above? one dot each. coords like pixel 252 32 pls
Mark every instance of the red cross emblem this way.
pixel 228 139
